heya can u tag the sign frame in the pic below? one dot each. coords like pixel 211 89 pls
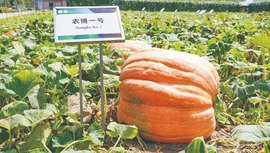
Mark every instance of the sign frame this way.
pixel 72 38
pixel 88 37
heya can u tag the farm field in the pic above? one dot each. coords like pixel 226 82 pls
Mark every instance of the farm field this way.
pixel 37 79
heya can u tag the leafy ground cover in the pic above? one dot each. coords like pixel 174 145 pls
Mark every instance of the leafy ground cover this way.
pixel 37 77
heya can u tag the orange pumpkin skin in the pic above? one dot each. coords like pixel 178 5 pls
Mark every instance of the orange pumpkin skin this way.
pixel 168 95
pixel 129 47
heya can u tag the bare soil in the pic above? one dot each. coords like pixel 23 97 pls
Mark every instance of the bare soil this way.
pixel 221 139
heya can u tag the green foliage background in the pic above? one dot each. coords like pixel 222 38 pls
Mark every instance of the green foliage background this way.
pixel 36 76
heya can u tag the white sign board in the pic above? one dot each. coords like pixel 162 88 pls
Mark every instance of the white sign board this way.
pixel 87 24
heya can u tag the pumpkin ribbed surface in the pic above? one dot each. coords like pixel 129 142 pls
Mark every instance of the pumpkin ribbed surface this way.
pixel 129 47
pixel 168 95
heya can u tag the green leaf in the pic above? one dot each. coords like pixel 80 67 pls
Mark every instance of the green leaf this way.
pixel 96 134
pixel 78 130
pixel 23 82
pixel 61 140
pixel 251 133
pixel 240 65
pixel 124 131
pixel 262 85
pixel 18 47
pixel 10 151
pixel 237 52
pixel 73 70
pixel 14 121
pixel 30 44
pixel 198 145
pixel 211 149
pixel 14 108
pixel 262 40
pixel 3 135
pixel 58 67
pixel 5 92
pixel 255 100
pixel 43 69
pixel 243 90
pixel 51 108
pixel 82 144
pixel 39 138
pixel 78 151
pixel 36 97
pixel 9 62
pixel 69 49
pixel 5 77
pixel 35 116
pixel 118 150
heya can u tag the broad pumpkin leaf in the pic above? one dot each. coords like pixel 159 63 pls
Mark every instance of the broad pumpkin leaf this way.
pixel 121 130
pixel 69 49
pixel 262 85
pixel 118 150
pixel 3 49
pixel 3 135
pixel 267 65
pixel 51 108
pixel 36 97
pixel 78 151
pixel 262 40
pixel 96 134
pixel 61 140
pixel 30 44
pixel 255 100
pixel 78 130
pixel 4 92
pixel 38 150
pixel 23 82
pixel 2 115
pixel 13 108
pixel 82 144
pixel 237 52
pixel 14 121
pixel 9 62
pixel 10 151
pixel 251 133
pixel 5 77
pixel 43 69
pixel 18 47
pixel 241 90
pixel 197 145
pixel 39 138
pixel 35 116
pixel 240 65
pixel 73 70
pixel 59 67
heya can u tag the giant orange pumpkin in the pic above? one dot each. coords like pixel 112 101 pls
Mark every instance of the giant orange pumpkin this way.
pixel 129 47
pixel 168 95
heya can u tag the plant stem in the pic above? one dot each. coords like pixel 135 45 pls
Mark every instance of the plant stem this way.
pixel 10 140
pixel 266 147
pixel 263 64
pixel 142 144
pixel 119 138
pixel 46 148
pixel 72 143
pixel 69 81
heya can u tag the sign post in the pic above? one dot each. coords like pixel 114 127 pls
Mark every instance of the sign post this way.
pixel 88 25
pixel 80 81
